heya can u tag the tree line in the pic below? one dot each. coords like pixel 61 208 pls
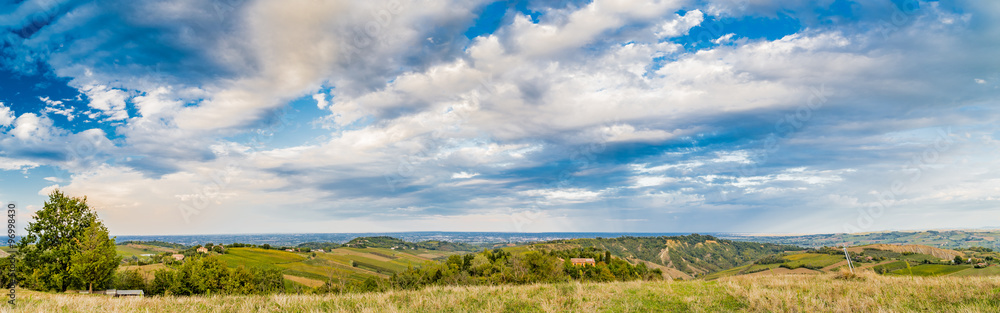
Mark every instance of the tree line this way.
pixel 497 266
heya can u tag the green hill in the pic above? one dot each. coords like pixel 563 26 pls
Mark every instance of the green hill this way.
pixel 692 254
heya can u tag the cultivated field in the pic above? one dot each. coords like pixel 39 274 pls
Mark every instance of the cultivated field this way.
pixel 757 293
pixel 312 269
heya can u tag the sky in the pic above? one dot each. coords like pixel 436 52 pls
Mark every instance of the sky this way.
pixel 244 116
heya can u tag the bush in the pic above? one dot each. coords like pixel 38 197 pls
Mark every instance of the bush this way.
pixel 771 259
pixel 129 280
pixel 211 276
pixel 848 275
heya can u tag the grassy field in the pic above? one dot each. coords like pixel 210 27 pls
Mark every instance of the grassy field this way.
pixel 989 271
pixel 795 293
pixel 811 260
pixel 931 270
pixel 323 266
pixel 795 261
pixel 138 250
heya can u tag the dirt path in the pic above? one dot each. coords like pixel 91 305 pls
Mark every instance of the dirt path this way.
pixel 785 271
pixel 876 264
pixel 305 281
pixel 361 254
pixel 834 266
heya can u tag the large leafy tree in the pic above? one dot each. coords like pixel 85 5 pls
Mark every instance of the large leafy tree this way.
pixel 51 241
pixel 95 260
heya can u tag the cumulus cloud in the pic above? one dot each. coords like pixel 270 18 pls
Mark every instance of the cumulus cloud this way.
pixel 680 25
pixel 6 115
pixel 111 102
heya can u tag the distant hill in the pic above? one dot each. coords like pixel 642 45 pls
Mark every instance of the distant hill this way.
pixel 691 255
pixel 950 239
pixel 388 242
pixel 156 243
pixel 886 259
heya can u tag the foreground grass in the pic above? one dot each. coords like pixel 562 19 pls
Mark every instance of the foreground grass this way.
pixel 789 293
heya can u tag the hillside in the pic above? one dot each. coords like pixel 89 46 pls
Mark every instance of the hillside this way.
pixel 346 265
pixel 684 256
pixel 893 260
pixel 950 239
pixel 818 293
pixel 944 254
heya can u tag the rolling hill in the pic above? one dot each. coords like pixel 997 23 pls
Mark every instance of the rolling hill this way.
pixel 680 256
pixel 944 239
pixel 312 269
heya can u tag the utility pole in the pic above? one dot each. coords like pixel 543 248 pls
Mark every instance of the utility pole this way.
pixel 848 256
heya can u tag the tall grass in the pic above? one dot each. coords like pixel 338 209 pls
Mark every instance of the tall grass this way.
pixel 790 293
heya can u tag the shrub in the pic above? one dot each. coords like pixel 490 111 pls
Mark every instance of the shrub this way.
pixel 129 280
pixel 847 275
pixel 771 259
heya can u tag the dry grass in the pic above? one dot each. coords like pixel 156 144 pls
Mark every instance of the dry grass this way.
pixel 865 292
pixel 790 293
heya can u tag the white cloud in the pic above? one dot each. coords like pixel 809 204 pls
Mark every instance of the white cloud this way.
pixel 649 181
pixel 463 175
pixel 321 102
pixel 6 115
pixel 110 101
pixel 48 190
pixel 724 39
pixel 582 26
pixel 157 102
pixel 680 25
pixel 31 127
pixel 57 107
pixel 628 133
pixel 8 164
pixel 684 166
pixel 564 195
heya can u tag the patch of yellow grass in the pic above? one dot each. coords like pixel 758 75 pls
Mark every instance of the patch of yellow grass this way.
pixel 305 281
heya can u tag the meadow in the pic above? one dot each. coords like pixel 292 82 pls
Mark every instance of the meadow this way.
pixel 830 292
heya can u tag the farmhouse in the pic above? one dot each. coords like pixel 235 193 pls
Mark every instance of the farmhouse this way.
pixel 178 257
pixel 319 250
pixel 202 250
pixel 582 261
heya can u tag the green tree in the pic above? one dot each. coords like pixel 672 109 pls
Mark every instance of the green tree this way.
pixel 95 259
pixel 49 244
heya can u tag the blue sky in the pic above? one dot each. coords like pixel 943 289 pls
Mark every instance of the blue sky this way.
pixel 195 117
